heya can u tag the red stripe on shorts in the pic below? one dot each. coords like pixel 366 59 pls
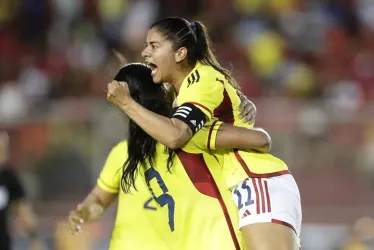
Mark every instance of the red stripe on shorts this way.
pixel 267 196
pixel 257 196
pixel 262 195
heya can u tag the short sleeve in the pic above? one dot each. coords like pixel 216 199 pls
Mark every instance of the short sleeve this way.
pixel 212 136
pixel 203 90
pixel 110 176
pixel 16 190
pixel 204 140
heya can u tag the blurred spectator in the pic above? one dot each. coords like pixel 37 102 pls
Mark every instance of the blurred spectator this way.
pixel 137 23
pixel 8 10
pixel 365 158
pixel 62 168
pixel 295 48
pixel 13 201
pixel 13 104
pixel 33 81
pixel 308 65
pixel 362 235
pixel 67 10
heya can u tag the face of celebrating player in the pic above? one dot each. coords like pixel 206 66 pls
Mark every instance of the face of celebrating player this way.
pixel 171 50
pixel 174 46
pixel 158 54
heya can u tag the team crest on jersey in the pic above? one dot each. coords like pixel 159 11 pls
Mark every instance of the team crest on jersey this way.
pixel 193 78
pixel 4 197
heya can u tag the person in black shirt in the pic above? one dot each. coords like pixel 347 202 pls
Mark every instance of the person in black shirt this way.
pixel 13 200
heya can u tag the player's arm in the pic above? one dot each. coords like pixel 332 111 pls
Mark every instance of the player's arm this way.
pixel 197 103
pixel 28 222
pixel 23 211
pixel 92 207
pixel 185 122
pixel 236 137
pixel 170 132
pixel 104 193
pixel 225 136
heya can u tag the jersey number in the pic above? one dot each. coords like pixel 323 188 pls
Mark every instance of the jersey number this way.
pixel 164 198
pixel 245 189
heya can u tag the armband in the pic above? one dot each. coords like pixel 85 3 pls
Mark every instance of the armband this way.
pixel 191 115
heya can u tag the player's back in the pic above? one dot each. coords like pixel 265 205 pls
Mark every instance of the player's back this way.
pixel 184 214
pixel 200 213
pixel 139 221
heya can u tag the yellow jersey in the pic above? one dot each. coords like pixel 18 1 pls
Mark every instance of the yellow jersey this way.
pixel 191 208
pixel 209 90
pixel 139 220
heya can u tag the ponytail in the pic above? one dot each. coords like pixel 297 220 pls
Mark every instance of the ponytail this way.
pixel 195 38
pixel 204 53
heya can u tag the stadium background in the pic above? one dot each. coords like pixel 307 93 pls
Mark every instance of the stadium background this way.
pixel 307 65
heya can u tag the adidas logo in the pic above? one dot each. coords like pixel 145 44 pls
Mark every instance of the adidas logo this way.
pixel 246 213
pixel 193 122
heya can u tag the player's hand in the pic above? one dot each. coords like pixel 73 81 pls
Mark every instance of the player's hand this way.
pixel 247 109
pixel 77 218
pixel 118 93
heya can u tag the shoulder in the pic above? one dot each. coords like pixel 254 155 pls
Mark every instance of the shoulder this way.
pixel 207 70
pixel 203 77
pixel 119 150
pixel 122 145
pixel 116 157
pixel 207 73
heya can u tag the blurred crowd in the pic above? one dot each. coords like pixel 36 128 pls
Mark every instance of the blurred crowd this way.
pixel 51 49
pixel 286 52
pixel 309 66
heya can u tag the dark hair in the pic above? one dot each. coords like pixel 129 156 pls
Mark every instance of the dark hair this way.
pixel 141 146
pixel 194 37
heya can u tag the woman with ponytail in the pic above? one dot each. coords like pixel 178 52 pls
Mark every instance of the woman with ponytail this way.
pixel 206 96
pixel 159 206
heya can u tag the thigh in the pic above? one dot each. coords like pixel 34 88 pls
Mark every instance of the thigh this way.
pixel 269 236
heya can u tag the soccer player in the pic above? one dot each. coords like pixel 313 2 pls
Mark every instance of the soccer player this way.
pixel 179 53
pixel 12 199
pixel 190 207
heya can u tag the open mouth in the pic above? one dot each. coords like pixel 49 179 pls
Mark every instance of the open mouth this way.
pixel 153 68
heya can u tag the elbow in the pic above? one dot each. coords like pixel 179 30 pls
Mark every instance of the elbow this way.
pixel 267 148
pixel 174 143
pixel 178 136
pixel 265 141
